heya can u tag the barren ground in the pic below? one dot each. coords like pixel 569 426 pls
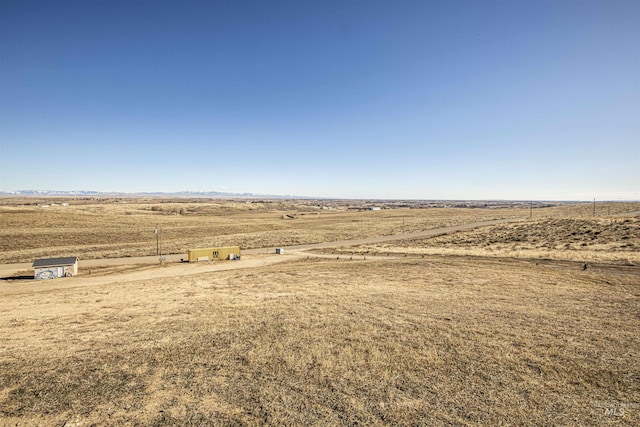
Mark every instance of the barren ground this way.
pixel 110 230
pixel 611 240
pixel 480 338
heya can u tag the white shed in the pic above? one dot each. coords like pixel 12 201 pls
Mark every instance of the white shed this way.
pixel 52 268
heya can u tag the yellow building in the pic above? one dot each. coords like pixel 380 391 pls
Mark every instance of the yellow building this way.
pixel 214 254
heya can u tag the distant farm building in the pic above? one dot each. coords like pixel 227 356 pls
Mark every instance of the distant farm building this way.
pixel 52 268
pixel 279 251
pixel 214 254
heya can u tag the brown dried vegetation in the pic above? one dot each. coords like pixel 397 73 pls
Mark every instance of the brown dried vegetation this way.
pixel 125 230
pixel 580 239
pixel 422 340
pixel 435 341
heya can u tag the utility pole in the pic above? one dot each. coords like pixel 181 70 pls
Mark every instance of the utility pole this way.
pixel 531 209
pixel 157 240
pixel 402 224
pixel 158 232
pixel 594 206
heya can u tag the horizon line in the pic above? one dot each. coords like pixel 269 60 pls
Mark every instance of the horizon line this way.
pixel 249 195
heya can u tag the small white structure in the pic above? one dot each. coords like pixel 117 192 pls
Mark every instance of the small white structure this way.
pixel 279 251
pixel 52 268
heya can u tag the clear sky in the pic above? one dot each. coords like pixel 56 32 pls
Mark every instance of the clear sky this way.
pixel 356 99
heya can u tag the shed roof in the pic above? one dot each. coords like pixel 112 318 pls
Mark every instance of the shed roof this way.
pixel 53 262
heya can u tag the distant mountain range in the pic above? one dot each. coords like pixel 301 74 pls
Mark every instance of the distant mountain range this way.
pixel 89 193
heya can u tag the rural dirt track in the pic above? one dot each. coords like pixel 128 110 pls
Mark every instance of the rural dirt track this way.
pixel 8 270
pixel 153 273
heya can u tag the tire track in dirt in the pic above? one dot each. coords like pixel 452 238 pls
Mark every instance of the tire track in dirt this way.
pixel 161 272
pixel 8 270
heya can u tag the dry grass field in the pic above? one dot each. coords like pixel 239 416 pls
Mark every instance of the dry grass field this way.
pixel 512 330
pixel 105 229
pixel 434 341
pixel 611 240
pixel 109 230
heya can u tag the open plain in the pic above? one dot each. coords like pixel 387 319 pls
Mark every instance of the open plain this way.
pixel 532 321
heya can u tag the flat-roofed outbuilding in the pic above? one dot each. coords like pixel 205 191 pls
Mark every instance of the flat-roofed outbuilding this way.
pixel 214 254
pixel 52 268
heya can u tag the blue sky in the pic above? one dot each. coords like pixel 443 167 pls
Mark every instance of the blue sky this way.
pixel 356 99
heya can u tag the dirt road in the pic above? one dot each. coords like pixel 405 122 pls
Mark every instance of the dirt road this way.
pixel 8 270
